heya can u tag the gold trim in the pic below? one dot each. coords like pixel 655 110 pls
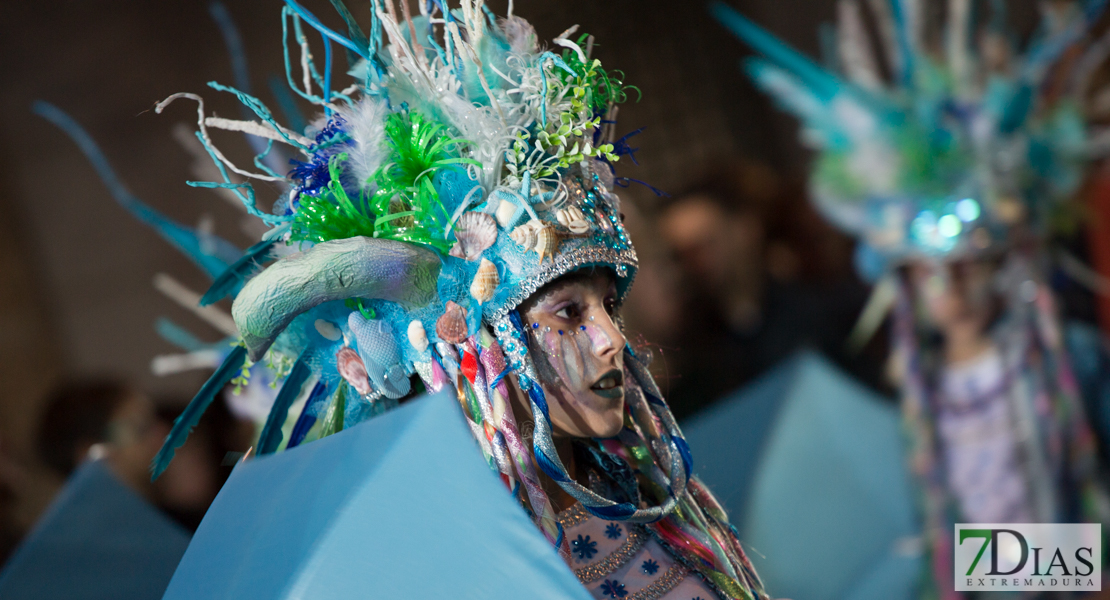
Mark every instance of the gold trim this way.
pixel 617 559
pixel 573 516
pixel 661 586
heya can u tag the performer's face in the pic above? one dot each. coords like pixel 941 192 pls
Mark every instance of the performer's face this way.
pixel 955 294
pixel 579 353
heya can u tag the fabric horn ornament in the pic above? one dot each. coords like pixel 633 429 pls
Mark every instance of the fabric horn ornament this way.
pixel 358 267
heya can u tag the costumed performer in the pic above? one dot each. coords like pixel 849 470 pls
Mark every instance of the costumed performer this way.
pixel 451 215
pixel 949 170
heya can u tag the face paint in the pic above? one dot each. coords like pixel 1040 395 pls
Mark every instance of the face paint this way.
pixel 575 348
pixel 598 338
pixel 567 354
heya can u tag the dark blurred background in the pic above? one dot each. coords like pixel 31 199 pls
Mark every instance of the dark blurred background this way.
pixel 76 271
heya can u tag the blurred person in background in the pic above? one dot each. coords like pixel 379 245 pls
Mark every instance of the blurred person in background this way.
pixel 762 276
pixel 953 191
pixel 191 483
pixel 101 419
pixel 107 419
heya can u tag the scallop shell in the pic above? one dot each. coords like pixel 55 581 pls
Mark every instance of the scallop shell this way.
pixel 572 218
pixel 451 326
pixel 485 282
pixel 547 242
pixel 525 235
pixel 417 336
pixel 353 370
pixel 475 231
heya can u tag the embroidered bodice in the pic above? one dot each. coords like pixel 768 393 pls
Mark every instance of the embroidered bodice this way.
pixel 976 426
pixel 621 560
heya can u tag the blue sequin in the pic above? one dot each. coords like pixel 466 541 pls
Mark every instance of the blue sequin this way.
pixel 613 531
pixel 650 567
pixel 584 547
pixel 613 589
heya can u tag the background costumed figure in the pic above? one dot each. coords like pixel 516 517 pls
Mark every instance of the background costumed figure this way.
pixel 950 154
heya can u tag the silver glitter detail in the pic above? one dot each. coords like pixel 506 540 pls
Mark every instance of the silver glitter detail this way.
pixel 564 263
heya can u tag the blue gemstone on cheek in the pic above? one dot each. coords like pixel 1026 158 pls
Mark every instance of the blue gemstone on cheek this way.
pixel 582 327
pixel 535 325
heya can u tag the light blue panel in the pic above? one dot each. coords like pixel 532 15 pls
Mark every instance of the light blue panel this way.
pixel 727 438
pixel 98 541
pixel 401 506
pixel 826 500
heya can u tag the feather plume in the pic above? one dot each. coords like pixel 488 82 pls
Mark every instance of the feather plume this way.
pixel 192 413
pixel 888 34
pixel 856 58
pixel 271 436
pixel 366 126
pixel 309 414
pixel 183 238
pixel 230 280
pixel 520 35
pixel 821 83
pixel 354 32
pixel 190 300
pixel 957 48
pixel 178 336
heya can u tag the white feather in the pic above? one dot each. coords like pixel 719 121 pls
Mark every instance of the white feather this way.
pixel 366 126
pixel 855 52
pixel 520 35
pixel 887 34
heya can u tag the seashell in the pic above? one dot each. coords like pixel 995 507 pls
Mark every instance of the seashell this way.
pixel 525 235
pixel 379 352
pixel 417 336
pixel 572 218
pixel 547 242
pixel 507 213
pixel 451 326
pixel 328 330
pixel 353 370
pixel 475 231
pixel 485 282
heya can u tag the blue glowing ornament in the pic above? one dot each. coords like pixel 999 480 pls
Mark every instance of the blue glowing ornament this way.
pixel 949 226
pixel 968 210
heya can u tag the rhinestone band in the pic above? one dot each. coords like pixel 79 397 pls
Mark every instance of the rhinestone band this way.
pixel 661 586
pixel 620 556
pixel 573 516
pixel 583 256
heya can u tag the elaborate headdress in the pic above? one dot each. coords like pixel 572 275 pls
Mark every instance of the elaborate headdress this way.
pixel 463 169
pixel 929 147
